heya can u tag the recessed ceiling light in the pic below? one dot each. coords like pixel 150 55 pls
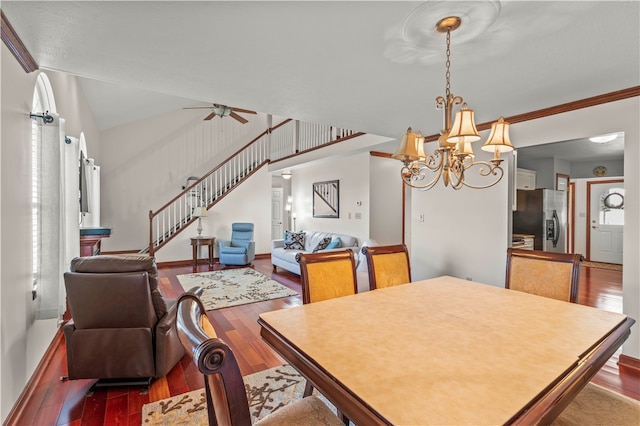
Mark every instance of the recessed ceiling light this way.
pixel 603 138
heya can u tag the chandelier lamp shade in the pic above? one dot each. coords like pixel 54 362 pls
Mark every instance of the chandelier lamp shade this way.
pixel 454 154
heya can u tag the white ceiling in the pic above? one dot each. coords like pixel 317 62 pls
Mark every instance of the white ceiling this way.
pixel 374 66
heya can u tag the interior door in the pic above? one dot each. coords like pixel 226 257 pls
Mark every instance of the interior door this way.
pixel 277 209
pixel 606 221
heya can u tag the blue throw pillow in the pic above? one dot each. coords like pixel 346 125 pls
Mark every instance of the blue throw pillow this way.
pixel 335 243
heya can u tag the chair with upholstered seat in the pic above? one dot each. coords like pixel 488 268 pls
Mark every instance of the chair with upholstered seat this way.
pixel 554 275
pixel 122 329
pixel 240 249
pixel 326 275
pixel 227 402
pixel 388 265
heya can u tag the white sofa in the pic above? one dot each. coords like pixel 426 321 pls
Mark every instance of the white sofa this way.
pixel 286 258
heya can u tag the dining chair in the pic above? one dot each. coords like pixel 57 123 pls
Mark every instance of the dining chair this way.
pixel 327 275
pixel 548 274
pixel 388 265
pixel 227 402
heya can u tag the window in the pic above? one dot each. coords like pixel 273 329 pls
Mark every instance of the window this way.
pixel 612 207
pixel 42 101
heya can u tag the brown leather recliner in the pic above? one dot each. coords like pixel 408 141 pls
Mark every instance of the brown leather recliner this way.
pixel 121 326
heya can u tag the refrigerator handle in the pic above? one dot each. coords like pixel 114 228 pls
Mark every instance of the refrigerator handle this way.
pixel 556 228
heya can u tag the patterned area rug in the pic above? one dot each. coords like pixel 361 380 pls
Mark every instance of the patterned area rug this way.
pixel 232 287
pixel 596 405
pixel 266 391
pixel 602 265
pixel 271 389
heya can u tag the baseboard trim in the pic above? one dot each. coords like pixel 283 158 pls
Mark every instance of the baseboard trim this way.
pixel 36 381
pixel 629 362
pixel 178 263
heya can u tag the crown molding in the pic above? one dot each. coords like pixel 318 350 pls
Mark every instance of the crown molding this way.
pixel 16 46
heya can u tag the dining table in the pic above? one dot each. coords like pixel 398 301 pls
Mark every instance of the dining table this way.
pixel 446 351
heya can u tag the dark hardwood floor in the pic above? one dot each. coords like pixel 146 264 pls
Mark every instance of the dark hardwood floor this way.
pixel 49 401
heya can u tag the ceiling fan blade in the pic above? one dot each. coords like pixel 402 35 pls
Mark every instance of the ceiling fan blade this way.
pixel 237 117
pixel 198 107
pixel 210 116
pixel 246 111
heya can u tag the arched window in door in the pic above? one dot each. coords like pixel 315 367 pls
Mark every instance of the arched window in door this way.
pixel 612 207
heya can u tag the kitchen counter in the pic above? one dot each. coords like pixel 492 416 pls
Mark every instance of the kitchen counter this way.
pixel 90 240
pixel 523 241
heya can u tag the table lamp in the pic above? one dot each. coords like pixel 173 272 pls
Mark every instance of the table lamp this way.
pixel 199 212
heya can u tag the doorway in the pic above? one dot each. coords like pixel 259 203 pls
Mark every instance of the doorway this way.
pixel 605 221
pixel 277 225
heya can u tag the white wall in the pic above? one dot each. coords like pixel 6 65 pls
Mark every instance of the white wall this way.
pixel 601 119
pixel 385 189
pixel 145 163
pixel 352 172
pixel 23 340
pixel 464 233
pixel 584 169
pixel 249 202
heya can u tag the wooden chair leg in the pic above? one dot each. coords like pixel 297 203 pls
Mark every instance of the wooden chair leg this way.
pixel 342 417
pixel 308 389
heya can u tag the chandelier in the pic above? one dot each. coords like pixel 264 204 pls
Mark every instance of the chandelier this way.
pixel 454 154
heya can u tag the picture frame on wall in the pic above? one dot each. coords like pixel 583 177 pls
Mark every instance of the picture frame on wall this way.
pixel 326 199
pixel 562 182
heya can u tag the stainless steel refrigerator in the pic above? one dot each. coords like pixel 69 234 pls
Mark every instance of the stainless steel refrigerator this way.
pixel 543 214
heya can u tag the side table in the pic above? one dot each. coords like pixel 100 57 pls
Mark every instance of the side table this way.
pixel 202 241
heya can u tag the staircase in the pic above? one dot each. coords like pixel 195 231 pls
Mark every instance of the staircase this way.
pixel 289 138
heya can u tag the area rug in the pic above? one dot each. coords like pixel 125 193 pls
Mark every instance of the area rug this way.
pixel 266 391
pixel 271 389
pixel 602 265
pixel 596 405
pixel 232 287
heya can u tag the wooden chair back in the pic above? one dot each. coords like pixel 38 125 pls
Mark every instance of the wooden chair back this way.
pixel 227 402
pixel 388 265
pixel 326 275
pixel 554 275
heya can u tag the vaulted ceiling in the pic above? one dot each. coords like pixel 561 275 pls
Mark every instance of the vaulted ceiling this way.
pixel 374 66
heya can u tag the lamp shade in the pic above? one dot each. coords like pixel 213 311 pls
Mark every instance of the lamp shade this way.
pixel 411 147
pixel 464 127
pixel 465 148
pixel 200 212
pixel 498 140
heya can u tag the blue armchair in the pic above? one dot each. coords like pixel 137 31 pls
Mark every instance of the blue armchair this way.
pixel 241 249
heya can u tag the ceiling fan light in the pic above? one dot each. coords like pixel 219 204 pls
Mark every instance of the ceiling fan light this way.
pixel 222 110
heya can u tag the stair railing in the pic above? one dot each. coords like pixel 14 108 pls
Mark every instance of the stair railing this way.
pixel 289 138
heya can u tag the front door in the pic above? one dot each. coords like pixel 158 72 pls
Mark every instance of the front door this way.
pixel 606 227
pixel 277 229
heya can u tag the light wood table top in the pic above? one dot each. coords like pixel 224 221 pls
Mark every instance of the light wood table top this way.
pixel 446 351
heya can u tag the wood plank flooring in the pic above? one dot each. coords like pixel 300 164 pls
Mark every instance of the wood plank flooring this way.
pixel 54 402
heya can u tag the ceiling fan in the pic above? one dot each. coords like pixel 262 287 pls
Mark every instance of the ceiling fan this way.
pixel 224 111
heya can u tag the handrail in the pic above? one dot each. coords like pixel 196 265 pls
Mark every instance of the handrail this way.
pixel 292 138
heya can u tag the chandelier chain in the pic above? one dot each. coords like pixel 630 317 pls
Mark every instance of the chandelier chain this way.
pixel 448 63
